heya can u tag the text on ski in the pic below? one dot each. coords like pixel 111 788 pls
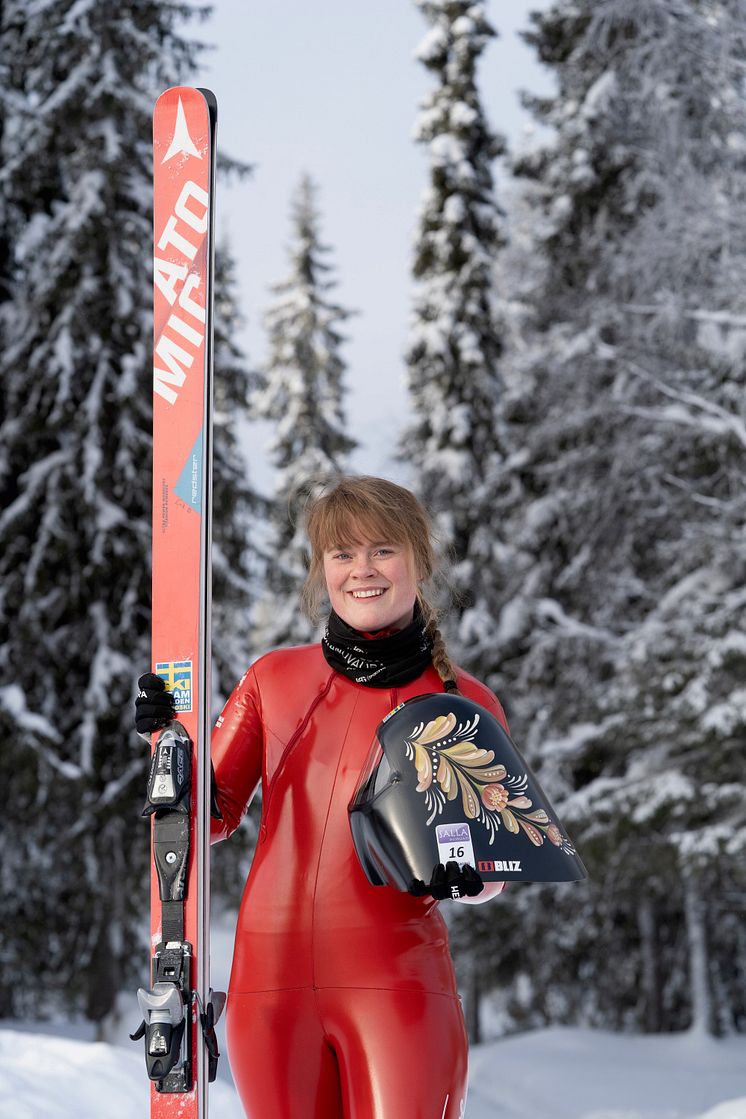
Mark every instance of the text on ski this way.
pixel 190 216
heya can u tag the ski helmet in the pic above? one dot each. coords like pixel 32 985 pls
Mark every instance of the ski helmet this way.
pixel 444 782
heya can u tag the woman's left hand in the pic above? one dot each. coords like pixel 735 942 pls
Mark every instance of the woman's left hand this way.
pixel 449 881
pixel 491 890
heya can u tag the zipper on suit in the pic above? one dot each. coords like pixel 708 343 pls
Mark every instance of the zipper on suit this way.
pixel 291 742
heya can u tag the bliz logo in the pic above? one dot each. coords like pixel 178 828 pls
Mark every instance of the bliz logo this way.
pixel 177 676
pixel 508 865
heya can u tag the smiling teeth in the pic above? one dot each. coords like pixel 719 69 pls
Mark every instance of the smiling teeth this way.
pixel 367 594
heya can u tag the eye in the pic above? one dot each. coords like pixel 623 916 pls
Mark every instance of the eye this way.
pixel 385 551
pixel 341 555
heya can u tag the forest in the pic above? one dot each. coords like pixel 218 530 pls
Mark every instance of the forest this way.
pixel 576 425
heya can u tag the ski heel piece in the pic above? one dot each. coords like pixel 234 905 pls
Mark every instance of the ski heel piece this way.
pixel 167 1020
pixel 162 1027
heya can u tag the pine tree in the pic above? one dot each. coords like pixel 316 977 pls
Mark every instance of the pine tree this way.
pixel 456 444
pixel 619 631
pixel 11 80
pixel 304 397
pixel 75 490
pixel 237 554
pixel 237 557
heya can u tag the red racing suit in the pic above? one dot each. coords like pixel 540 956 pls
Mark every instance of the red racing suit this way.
pixel 342 1001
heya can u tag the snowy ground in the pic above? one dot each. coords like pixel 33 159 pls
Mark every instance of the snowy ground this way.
pixel 553 1074
pixel 49 1072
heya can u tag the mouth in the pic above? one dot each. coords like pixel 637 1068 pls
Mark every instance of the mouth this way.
pixel 369 593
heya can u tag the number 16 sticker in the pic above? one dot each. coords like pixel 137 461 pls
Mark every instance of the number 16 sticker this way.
pixel 454 844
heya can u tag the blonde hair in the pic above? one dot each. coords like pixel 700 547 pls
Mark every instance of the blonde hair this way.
pixel 348 508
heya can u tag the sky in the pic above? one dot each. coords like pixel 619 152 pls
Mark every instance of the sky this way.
pixel 332 89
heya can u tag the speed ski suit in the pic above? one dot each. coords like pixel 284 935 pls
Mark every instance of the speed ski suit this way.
pixel 342 1001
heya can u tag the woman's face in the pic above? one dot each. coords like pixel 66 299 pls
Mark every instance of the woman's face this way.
pixel 371 585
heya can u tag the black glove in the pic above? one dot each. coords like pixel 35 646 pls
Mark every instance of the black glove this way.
pixel 154 706
pixel 450 882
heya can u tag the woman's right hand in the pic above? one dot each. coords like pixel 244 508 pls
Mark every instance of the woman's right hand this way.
pixel 154 705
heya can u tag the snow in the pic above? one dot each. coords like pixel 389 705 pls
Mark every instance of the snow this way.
pixel 512 621
pixel 599 95
pixel 432 45
pixel 445 149
pixel 34 480
pixel 462 115
pixel 564 1073
pixel 58 1077
pixel 13 700
pixel 667 789
pixel 581 1074
pixel 726 717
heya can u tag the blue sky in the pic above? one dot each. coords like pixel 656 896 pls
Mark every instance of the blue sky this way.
pixel 332 88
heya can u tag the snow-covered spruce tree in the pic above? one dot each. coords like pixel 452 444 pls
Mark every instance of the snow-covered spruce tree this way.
pixel 73 477
pixel 629 531
pixel 237 508
pixel 11 80
pixel 237 554
pixel 304 397
pixel 455 444
pixel 14 209
pixel 75 490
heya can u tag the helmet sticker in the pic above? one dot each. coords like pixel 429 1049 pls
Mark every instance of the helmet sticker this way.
pixel 454 844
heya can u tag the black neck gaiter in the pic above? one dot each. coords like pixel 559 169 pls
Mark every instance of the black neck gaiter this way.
pixel 383 662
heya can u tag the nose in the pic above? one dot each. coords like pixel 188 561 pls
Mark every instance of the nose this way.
pixel 362 567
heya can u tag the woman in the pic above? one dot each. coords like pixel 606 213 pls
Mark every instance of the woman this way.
pixel 342 1001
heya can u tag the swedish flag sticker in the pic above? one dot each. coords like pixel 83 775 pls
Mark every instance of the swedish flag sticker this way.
pixel 177 676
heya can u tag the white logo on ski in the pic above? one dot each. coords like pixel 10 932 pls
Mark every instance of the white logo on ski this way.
pixel 176 283
pixel 182 141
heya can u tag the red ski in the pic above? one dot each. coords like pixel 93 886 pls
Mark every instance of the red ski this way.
pixel 179 1009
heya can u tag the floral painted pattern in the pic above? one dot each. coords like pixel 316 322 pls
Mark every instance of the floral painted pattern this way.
pixel 449 764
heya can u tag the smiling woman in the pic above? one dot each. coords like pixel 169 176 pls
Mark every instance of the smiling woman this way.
pixel 336 982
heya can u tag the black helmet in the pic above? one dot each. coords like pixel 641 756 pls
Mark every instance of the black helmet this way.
pixel 444 782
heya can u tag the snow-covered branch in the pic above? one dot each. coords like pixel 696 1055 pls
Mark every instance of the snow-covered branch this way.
pixel 721 318
pixel 698 411
pixel 549 610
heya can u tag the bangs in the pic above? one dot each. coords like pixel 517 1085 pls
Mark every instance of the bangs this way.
pixel 352 522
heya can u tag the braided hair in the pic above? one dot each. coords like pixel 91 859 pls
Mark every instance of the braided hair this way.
pixel 441 661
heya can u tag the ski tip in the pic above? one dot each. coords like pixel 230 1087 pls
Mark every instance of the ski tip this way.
pixel 179 98
pixel 210 98
pixel 187 92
